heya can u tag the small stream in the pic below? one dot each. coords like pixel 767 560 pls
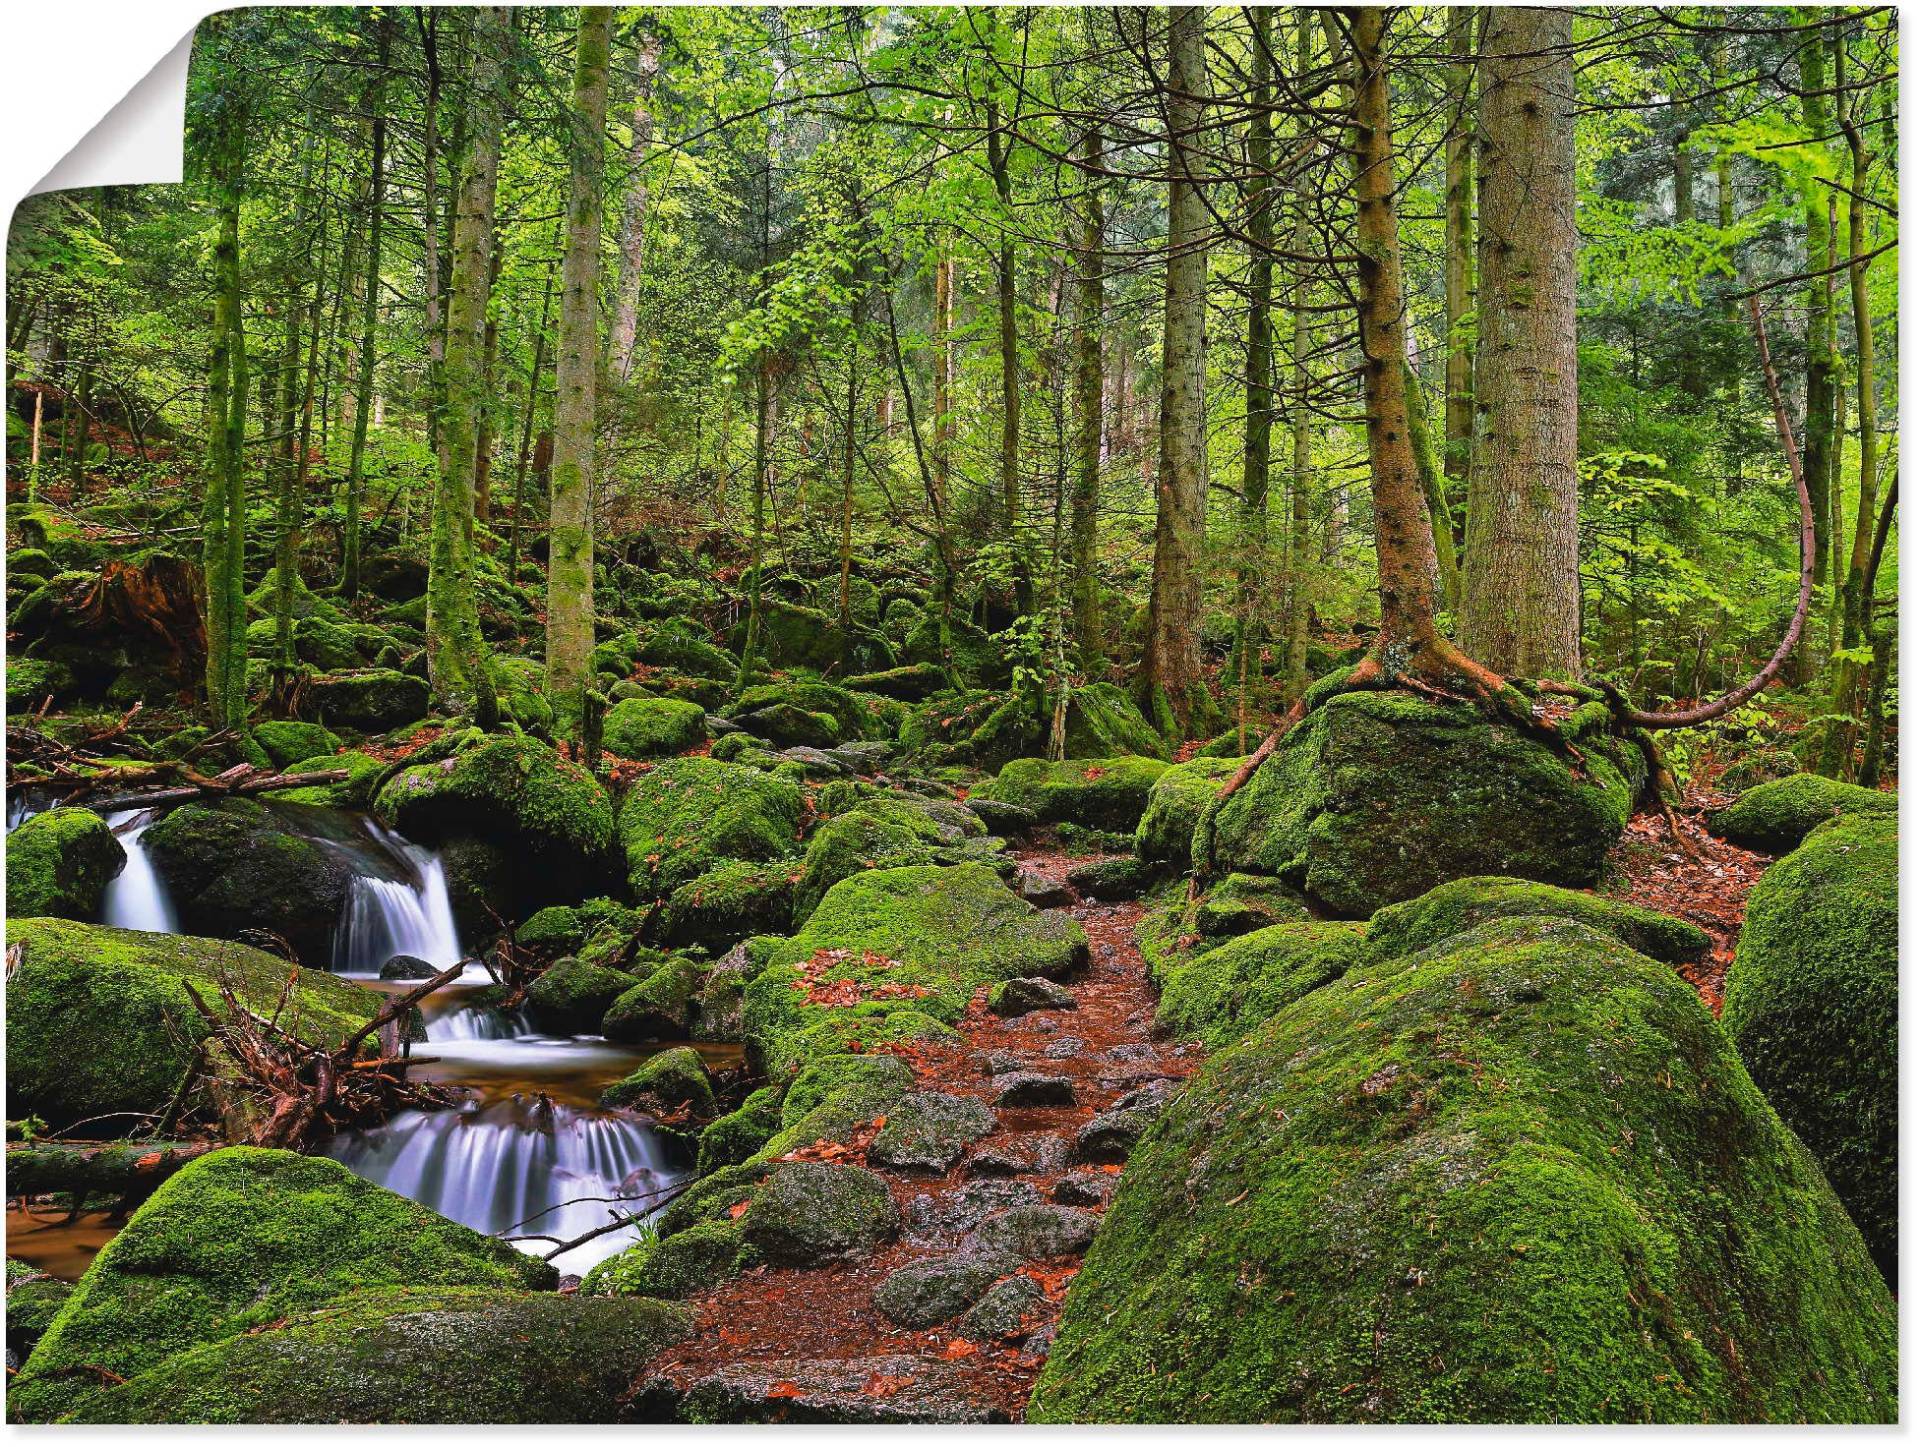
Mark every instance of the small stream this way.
pixel 530 1152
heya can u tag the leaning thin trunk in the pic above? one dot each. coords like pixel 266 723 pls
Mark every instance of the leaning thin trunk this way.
pixel 1088 392
pixel 1256 464
pixel 226 499
pixel 633 219
pixel 369 324
pixel 1459 246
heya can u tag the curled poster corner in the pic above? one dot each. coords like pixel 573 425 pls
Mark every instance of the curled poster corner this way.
pixel 140 141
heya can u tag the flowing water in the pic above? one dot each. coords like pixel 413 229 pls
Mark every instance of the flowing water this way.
pixel 530 1154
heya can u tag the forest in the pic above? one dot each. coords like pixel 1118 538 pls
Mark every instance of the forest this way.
pixel 963 714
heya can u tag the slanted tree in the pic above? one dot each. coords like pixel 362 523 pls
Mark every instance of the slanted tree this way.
pixel 350 540
pixel 1089 411
pixel 570 533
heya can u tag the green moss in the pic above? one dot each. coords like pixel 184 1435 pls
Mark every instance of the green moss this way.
pixel 915 941
pixel 288 739
pixel 665 1082
pixel 448 1355
pixel 855 841
pixel 31 681
pixel 508 788
pixel 686 815
pixel 908 683
pixel 1813 1004
pixel 1377 796
pixel 655 1009
pixel 353 792
pixel 694 1260
pixel 372 699
pixel 1775 817
pixel 98 1019
pixel 23 563
pixel 1221 995
pixel 812 1212
pixel 732 900
pixel 832 1096
pixel 739 1134
pixel 571 996
pixel 1244 902
pixel 852 715
pixel 59 863
pixel 792 635
pixel 1103 723
pixel 235 1241
pixel 1174 805
pixel 1098 794
pixel 520 688
pixel 32 1304
pixel 1461 904
pixel 652 728
pixel 1521 1177
pixel 564 929
pixel 686 650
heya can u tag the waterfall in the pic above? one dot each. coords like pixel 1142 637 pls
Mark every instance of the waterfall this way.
pixel 405 913
pixel 510 1162
pixel 136 897
pixel 477 1022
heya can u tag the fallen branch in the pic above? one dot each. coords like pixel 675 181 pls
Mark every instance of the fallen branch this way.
pixel 119 1168
pixel 221 786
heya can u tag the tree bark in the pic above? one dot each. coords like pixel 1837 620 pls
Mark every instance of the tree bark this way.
pixel 526 425
pixel 999 157
pixel 1257 459
pixel 369 318
pixel 1458 451
pixel 456 653
pixel 570 536
pixel 1521 612
pixel 224 516
pixel 1089 393
pixel 1822 365
pixel 633 217
pixel 1170 683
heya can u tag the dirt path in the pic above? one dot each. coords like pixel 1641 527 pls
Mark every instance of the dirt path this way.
pixel 811 1345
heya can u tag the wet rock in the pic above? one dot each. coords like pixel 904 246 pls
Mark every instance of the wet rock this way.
pixel 1083 1188
pixel 1109 1137
pixel 1031 1088
pixel 939 1289
pixel 1041 892
pixel 863 756
pixel 1001 1062
pixel 817 763
pixel 572 996
pixel 1032 1233
pixel 672 1080
pixel 1022 996
pixel 952 1213
pixel 1002 818
pixel 407 967
pixel 373 699
pixel 1112 879
pixel 1002 1313
pixel 858 1390
pixel 789 726
pixel 1065 1048
pixel 59 863
pixel 997 1161
pixel 811 1212
pixel 928 1131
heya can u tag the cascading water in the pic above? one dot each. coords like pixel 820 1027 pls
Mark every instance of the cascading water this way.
pixel 404 910
pixel 136 897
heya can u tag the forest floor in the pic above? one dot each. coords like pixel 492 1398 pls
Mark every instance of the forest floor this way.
pixel 810 1344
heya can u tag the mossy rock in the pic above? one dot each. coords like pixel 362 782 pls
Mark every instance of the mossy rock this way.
pixel 672 1080
pixel 912 943
pixel 858 840
pixel 927 1131
pixel 1175 803
pixel 852 715
pixel 685 816
pixel 730 901
pixel 355 791
pixel 1378 796
pixel 1775 817
pixel 790 727
pixel 1104 723
pixel 31 681
pixel 99 1021
pixel 35 563
pixel 370 699
pixel 518 793
pixel 909 683
pixel 428 1355
pixel 264 601
pixel 697 1259
pixel 1813 1004
pixel 60 863
pixel 1461 904
pixel 1241 903
pixel 232 865
pixel 33 1301
pixel 565 929
pixel 520 689
pixel 286 740
pixel 1097 794
pixel 968 656
pixel 685 651
pixel 319 641
pixel 658 1008
pixel 810 1213
pixel 571 995
pixel 832 1096
pixel 738 1135
pixel 1759 767
pixel 792 636
pixel 1520 1177
pixel 232 1243
pixel 654 728
pixel 1222 995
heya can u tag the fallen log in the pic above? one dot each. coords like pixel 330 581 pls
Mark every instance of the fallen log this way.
pixel 220 787
pixel 116 1168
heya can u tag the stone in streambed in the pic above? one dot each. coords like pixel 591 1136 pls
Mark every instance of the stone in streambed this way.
pixel 407 967
pixel 1109 1138
pixel 672 1080
pixel 59 864
pixel 854 1391
pixel 941 1287
pixel 927 1131
pixel 1023 996
pixel 811 1212
pixel 1030 1088
pixel 1003 1312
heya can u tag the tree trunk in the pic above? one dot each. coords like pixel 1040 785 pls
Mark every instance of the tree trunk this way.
pixel 1170 683
pixel 456 653
pixel 1521 613
pixel 1822 365
pixel 483 437
pixel 570 536
pixel 1090 298
pixel 223 540
pixel 369 320
pixel 1458 450
pixel 1257 461
pixel 999 148
pixel 428 19
pixel 526 426
pixel 633 218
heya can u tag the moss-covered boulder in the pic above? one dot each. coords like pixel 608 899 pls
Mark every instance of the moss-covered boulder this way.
pixel 696 1259
pixel 520 689
pixel 686 815
pixel 232 865
pixel 1241 903
pixel 927 1131
pixel 353 792
pixel 833 1095
pixel 813 1212
pixel 653 728
pixel 1097 794
pixel 429 1355
pixel 1775 817
pixel 792 636
pixel 1519 1177
pixel 1101 723
pixel 737 1135
pixel 1378 796
pixel 34 1299
pixel 730 901
pixel 371 699
pixel 896 954
pixel 59 863
pixel 860 839
pixel 33 681
pixel 286 740
pixel 99 1021
pixel 1221 995
pixel 673 1080
pixel 1178 797
pixel 660 1007
pixel 571 995
pixel 909 683
pixel 551 815
pixel 685 648
pixel 1813 1004
pixel 234 1242
pixel 1461 904
pixel 564 929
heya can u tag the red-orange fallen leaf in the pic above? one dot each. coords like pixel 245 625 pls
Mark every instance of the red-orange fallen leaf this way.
pixel 882 1385
pixel 785 1390
pixel 957 1348
pixel 738 1210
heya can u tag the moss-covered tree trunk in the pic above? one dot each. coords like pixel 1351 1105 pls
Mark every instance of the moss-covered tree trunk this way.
pixel 1521 606
pixel 570 535
pixel 633 215
pixel 1456 458
pixel 1170 685
pixel 369 314
pixel 526 424
pixel 456 653
pixel 1818 454
pixel 999 161
pixel 224 515
pixel 1089 413
pixel 1256 464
